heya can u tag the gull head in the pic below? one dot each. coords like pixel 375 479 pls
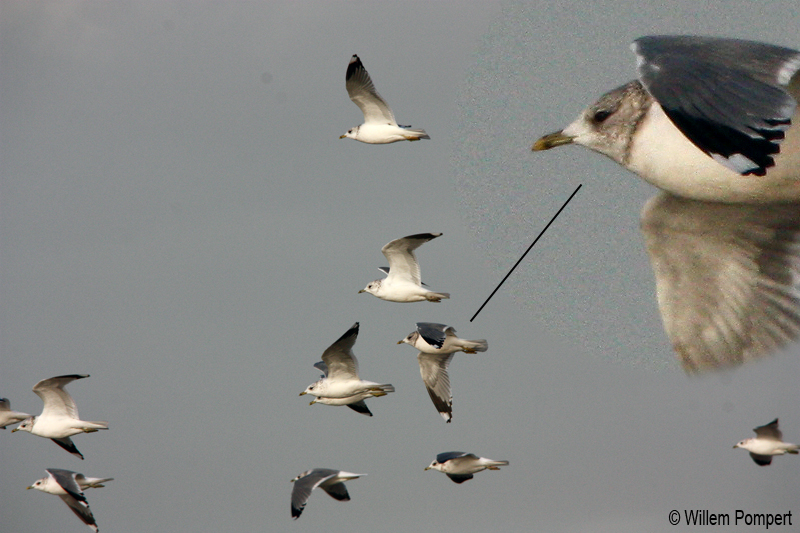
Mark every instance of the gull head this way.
pixel 352 133
pixel 307 472
pixel 39 485
pixel 745 444
pixel 372 288
pixel 434 465
pixel 316 389
pixel 410 339
pixel 607 125
pixel 27 425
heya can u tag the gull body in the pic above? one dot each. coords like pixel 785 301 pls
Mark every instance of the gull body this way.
pixel 708 119
pixel 59 419
pixel 432 338
pixel 379 125
pixel 341 379
pixel 767 443
pixel 69 486
pixel 402 282
pixel 460 466
pixel 7 416
pixel 331 481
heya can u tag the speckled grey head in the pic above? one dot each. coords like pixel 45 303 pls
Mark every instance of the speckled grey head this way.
pixel 607 126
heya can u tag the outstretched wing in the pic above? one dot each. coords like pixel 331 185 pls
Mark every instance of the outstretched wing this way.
pixel 402 261
pixel 57 401
pixel 727 96
pixel 769 431
pixel 339 357
pixel 362 92
pixel 433 369
pixel 726 278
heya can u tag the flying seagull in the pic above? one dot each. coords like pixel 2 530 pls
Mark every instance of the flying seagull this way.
pixel 355 402
pixel 69 486
pixel 708 119
pixel 727 277
pixel 767 442
pixel 331 481
pixel 59 419
pixel 402 282
pixel 436 344
pixel 460 466
pixel 7 416
pixel 435 338
pixel 379 125
pixel 341 385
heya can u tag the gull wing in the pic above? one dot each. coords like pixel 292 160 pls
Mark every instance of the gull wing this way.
pixel 769 431
pixel 339 357
pixel 761 460
pixel 385 270
pixel 433 369
pixel 7 416
pixel 57 401
pixel 336 491
pixel 434 334
pixel 305 483
pixel 726 277
pixel 460 478
pixel 320 365
pixel 448 456
pixel 360 407
pixel 74 497
pixel 362 92
pixel 67 444
pixel 400 253
pixel 727 96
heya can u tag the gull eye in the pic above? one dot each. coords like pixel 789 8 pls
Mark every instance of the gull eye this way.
pixel 601 116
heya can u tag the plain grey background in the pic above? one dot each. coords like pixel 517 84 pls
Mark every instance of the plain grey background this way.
pixel 181 221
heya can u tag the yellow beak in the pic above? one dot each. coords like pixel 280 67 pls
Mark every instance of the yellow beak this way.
pixel 551 140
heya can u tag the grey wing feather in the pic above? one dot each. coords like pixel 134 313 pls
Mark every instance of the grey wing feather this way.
pixel 339 357
pixel 360 407
pixel 66 479
pixel 434 334
pixel 727 96
pixel 363 93
pixel 726 278
pixel 81 510
pixel 320 365
pixel 769 431
pixel 446 456
pixel 400 253
pixel 761 460
pixel 56 400
pixel 385 270
pixel 337 491
pixel 433 369
pixel 460 478
pixel 68 445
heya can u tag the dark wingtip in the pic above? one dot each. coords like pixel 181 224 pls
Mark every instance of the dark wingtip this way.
pixel 354 65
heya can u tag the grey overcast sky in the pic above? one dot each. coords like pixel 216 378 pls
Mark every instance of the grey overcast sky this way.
pixel 181 221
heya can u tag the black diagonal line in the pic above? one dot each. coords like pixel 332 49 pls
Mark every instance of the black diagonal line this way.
pixel 526 253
